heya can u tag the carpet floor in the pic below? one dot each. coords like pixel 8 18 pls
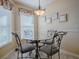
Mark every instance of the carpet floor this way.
pixel 13 55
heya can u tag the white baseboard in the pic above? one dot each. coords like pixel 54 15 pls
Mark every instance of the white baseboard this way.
pixel 69 53
pixel 4 57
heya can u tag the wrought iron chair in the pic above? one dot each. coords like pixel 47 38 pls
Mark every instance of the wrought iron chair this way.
pixel 51 48
pixel 22 48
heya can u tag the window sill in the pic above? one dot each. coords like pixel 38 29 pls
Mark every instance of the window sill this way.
pixel 4 44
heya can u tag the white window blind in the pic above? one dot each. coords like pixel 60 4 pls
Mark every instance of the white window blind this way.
pixel 5 20
pixel 27 26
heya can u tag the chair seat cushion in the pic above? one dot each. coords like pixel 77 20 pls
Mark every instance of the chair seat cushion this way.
pixel 47 49
pixel 27 48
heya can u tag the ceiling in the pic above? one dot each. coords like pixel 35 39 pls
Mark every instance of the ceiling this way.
pixel 35 3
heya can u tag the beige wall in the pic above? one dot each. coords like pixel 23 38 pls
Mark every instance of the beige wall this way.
pixel 71 7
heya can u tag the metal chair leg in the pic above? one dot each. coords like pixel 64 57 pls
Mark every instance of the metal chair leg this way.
pixel 39 55
pixel 51 56
pixel 48 56
pixel 30 53
pixel 18 55
pixel 59 55
pixel 21 56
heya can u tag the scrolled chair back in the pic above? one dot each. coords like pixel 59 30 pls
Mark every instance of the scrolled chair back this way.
pixel 58 37
pixel 17 40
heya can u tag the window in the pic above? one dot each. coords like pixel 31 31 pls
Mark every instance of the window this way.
pixel 5 16
pixel 27 26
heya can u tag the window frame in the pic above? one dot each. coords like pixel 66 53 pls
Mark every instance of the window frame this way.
pixel 27 25
pixel 10 28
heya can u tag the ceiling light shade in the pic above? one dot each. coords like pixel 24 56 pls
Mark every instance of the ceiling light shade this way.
pixel 39 12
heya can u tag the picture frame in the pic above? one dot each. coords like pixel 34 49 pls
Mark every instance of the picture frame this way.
pixel 55 16
pixel 48 20
pixel 52 17
pixel 63 17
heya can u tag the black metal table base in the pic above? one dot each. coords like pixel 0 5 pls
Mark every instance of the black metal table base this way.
pixel 37 48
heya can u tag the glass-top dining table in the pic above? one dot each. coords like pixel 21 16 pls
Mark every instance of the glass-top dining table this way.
pixel 37 46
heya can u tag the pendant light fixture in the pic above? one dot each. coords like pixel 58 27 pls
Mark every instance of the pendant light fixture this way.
pixel 39 11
